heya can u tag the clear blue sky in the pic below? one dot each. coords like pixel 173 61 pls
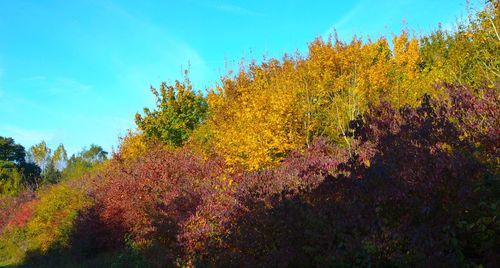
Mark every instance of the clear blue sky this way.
pixel 76 72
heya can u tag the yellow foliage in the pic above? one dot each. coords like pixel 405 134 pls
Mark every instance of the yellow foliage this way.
pixel 253 117
pixel 261 114
pixel 55 212
pixel 267 110
pixel 132 145
pixel 55 215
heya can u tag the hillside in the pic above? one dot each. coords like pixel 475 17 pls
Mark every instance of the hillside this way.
pixel 369 153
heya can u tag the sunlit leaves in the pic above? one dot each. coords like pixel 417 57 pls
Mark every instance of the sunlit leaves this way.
pixel 41 154
pixel 10 178
pixel 42 224
pixel 132 145
pixel 356 154
pixel 179 110
pixel 263 105
pixel 60 157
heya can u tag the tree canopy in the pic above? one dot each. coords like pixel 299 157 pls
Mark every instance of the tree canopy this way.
pixel 179 110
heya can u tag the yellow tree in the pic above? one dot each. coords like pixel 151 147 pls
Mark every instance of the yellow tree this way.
pixel 342 78
pixel 254 116
pixel 405 72
pixel 41 154
pixel 132 145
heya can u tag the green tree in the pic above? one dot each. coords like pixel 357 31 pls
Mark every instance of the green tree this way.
pixel 31 174
pixel 10 151
pixel 83 162
pixel 50 173
pixel 10 178
pixel 14 169
pixel 469 55
pixel 179 110
pixel 95 154
pixel 41 155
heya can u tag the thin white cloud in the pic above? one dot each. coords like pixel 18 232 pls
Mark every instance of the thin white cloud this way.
pixel 349 24
pixel 26 137
pixel 59 86
pixel 65 85
pixel 173 53
pixel 344 20
pixel 234 9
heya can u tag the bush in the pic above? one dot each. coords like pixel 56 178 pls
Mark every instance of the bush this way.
pixel 43 224
pixel 148 199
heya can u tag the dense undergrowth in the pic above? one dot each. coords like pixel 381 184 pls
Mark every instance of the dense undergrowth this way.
pixel 354 155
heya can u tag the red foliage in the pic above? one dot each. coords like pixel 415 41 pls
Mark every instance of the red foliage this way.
pixel 205 235
pixel 23 214
pixel 416 192
pixel 149 198
pixel 16 210
pixel 409 196
pixel 478 119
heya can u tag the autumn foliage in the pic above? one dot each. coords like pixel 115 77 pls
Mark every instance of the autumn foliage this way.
pixel 380 153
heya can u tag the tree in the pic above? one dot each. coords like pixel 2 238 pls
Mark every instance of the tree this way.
pixel 60 157
pixel 31 174
pixel 94 154
pixel 469 56
pixel 50 174
pixel 10 151
pixel 132 145
pixel 81 163
pixel 14 169
pixel 256 118
pixel 179 110
pixel 10 178
pixel 40 154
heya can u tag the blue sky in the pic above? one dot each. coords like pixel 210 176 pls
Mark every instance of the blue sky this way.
pixel 76 72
